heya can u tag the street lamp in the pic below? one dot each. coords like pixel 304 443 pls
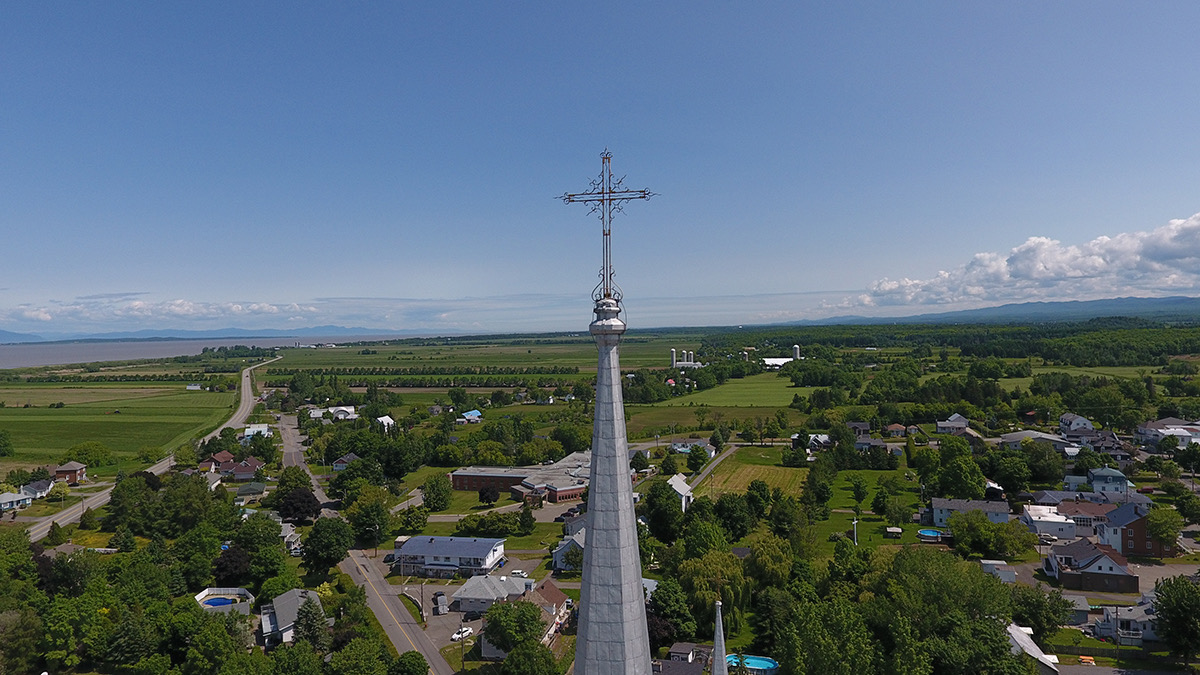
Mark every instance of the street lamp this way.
pixel 855 531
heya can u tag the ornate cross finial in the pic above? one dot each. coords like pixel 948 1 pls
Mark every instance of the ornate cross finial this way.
pixel 606 196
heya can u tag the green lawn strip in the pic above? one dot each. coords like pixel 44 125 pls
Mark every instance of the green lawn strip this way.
pixel 544 535
pixel 474 663
pixel 412 608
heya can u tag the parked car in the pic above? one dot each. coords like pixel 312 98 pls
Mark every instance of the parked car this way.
pixel 1047 538
pixel 462 633
pixel 475 615
pixel 1146 489
pixel 520 573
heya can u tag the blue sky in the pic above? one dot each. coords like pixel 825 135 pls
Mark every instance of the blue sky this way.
pixel 394 165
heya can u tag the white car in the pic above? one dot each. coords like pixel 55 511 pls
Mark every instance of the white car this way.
pixel 462 633
pixel 520 573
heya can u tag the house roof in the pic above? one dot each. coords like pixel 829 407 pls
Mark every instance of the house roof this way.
pixel 253 462
pixel 488 587
pixel 72 466
pixel 222 456
pixel 1079 602
pixel 252 489
pixel 985 505
pixel 551 592
pixel 1104 472
pixel 287 606
pixel 346 458
pixel 467 547
pixel 1084 508
pixel 1084 552
pixel 1126 514
pixel 38 485
pixel 679 484
pixel 12 497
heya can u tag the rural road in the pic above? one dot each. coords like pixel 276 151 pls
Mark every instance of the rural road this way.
pixel 384 601
pixel 41 527
pixel 293 455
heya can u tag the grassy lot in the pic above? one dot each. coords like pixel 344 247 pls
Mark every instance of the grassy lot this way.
pixel 467 501
pixel 764 390
pixel 473 663
pixel 750 463
pixel 417 478
pixel 155 416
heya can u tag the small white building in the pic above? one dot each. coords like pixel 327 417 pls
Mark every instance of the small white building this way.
pixel 679 484
pixel 386 421
pixel 1047 520
pixel 1000 570
pixel 996 511
pixel 482 591
pixel 1069 423
pixel 954 424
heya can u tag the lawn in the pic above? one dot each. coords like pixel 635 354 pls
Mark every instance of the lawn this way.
pixel 750 463
pixel 766 390
pixel 157 416
pixel 544 534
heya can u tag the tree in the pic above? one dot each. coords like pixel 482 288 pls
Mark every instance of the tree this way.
pixel 668 467
pixel 1012 473
pixel 409 663
pixel 735 516
pixel 512 623
pixel 1043 612
pixel 573 558
pixel 362 656
pixel 311 626
pixel 702 537
pixel 56 535
pixel 58 491
pixel 663 512
pixel 436 492
pixel 669 603
pixel 526 523
pixel 232 567
pixel 489 494
pixel 1188 506
pixel 123 540
pixel 1177 615
pixel 412 519
pixel 770 561
pixel 327 544
pixel 298 659
pixel 530 658
pixel 299 505
pixel 696 459
pixel 370 516
pixel 1164 525
pixel 897 511
pixel 858 489
pixel 962 479
pixel 88 520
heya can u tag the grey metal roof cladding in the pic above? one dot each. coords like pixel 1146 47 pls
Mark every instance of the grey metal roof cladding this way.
pixel 463 547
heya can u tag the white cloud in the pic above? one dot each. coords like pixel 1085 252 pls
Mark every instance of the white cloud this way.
pixel 1160 261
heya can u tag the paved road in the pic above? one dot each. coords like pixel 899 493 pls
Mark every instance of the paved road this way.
pixel 293 455
pixel 41 527
pixel 384 601
pixel 708 468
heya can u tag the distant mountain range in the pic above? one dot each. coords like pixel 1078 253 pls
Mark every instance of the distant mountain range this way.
pixel 1176 308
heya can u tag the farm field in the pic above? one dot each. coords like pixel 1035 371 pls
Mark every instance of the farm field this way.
pixel 151 416
pixel 763 390
pixel 749 463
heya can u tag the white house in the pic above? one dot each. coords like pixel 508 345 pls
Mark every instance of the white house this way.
pixel 1000 570
pixel 38 489
pixel 577 540
pixel 679 484
pixel 1108 480
pixel 386 421
pixel 12 500
pixel 1129 625
pixel 446 557
pixel 953 424
pixel 279 617
pixel 1047 520
pixel 482 591
pixel 1070 423
pixel 996 511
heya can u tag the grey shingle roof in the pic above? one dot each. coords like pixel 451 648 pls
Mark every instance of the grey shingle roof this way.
pixel 466 547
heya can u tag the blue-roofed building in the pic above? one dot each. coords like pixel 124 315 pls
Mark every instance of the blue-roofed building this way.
pixel 446 557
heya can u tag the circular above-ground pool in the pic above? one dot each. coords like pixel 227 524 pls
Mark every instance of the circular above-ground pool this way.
pixel 757 665
pixel 929 535
pixel 218 602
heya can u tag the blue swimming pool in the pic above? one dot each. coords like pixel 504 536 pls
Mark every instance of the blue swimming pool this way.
pixel 219 602
pixel 757 665
pixel 929 533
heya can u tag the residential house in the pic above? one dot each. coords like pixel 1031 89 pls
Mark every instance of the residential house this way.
pixel 38 488
pixel 1150 433
pixel 386 421
pixel 860 428
pixel 570 542
pixel 71 473
pixel 342 462
pixel 1020 640
pixel 279 617
pixel 688 448
pixel 1126 532
pixel 14 500
pixel 1000 570
pixel 679 484
pixel 1084 566
pixel 1012 441
pixel 819 442
pixel 895 430
pixel 1055 497
pixel 253 430
pixel 291 539
pixel 1046 520
pixel 1080 608
pixel 954 424
pixel 866 443
pixel 446 557
pixel 482 591
pixel 554 607
pixel 1089 517
pixel 473 416
pixel 996 511
pixel 1128 625
pixel 250 492
pixel 1108 480
pixel 1070 423
pixel 689 652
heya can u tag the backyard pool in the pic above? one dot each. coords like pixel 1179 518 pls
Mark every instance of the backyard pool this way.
pixel 757 665
pixel 928 535
pixel 218 602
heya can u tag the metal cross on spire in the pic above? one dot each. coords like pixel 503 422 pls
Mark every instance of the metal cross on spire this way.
pixel 606 196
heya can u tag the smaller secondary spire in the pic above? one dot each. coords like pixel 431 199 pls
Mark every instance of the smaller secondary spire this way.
pixel 719 666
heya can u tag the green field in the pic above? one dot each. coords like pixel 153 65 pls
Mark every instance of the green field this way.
pixel 151 415
pixel 750 463
pixel 764 390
